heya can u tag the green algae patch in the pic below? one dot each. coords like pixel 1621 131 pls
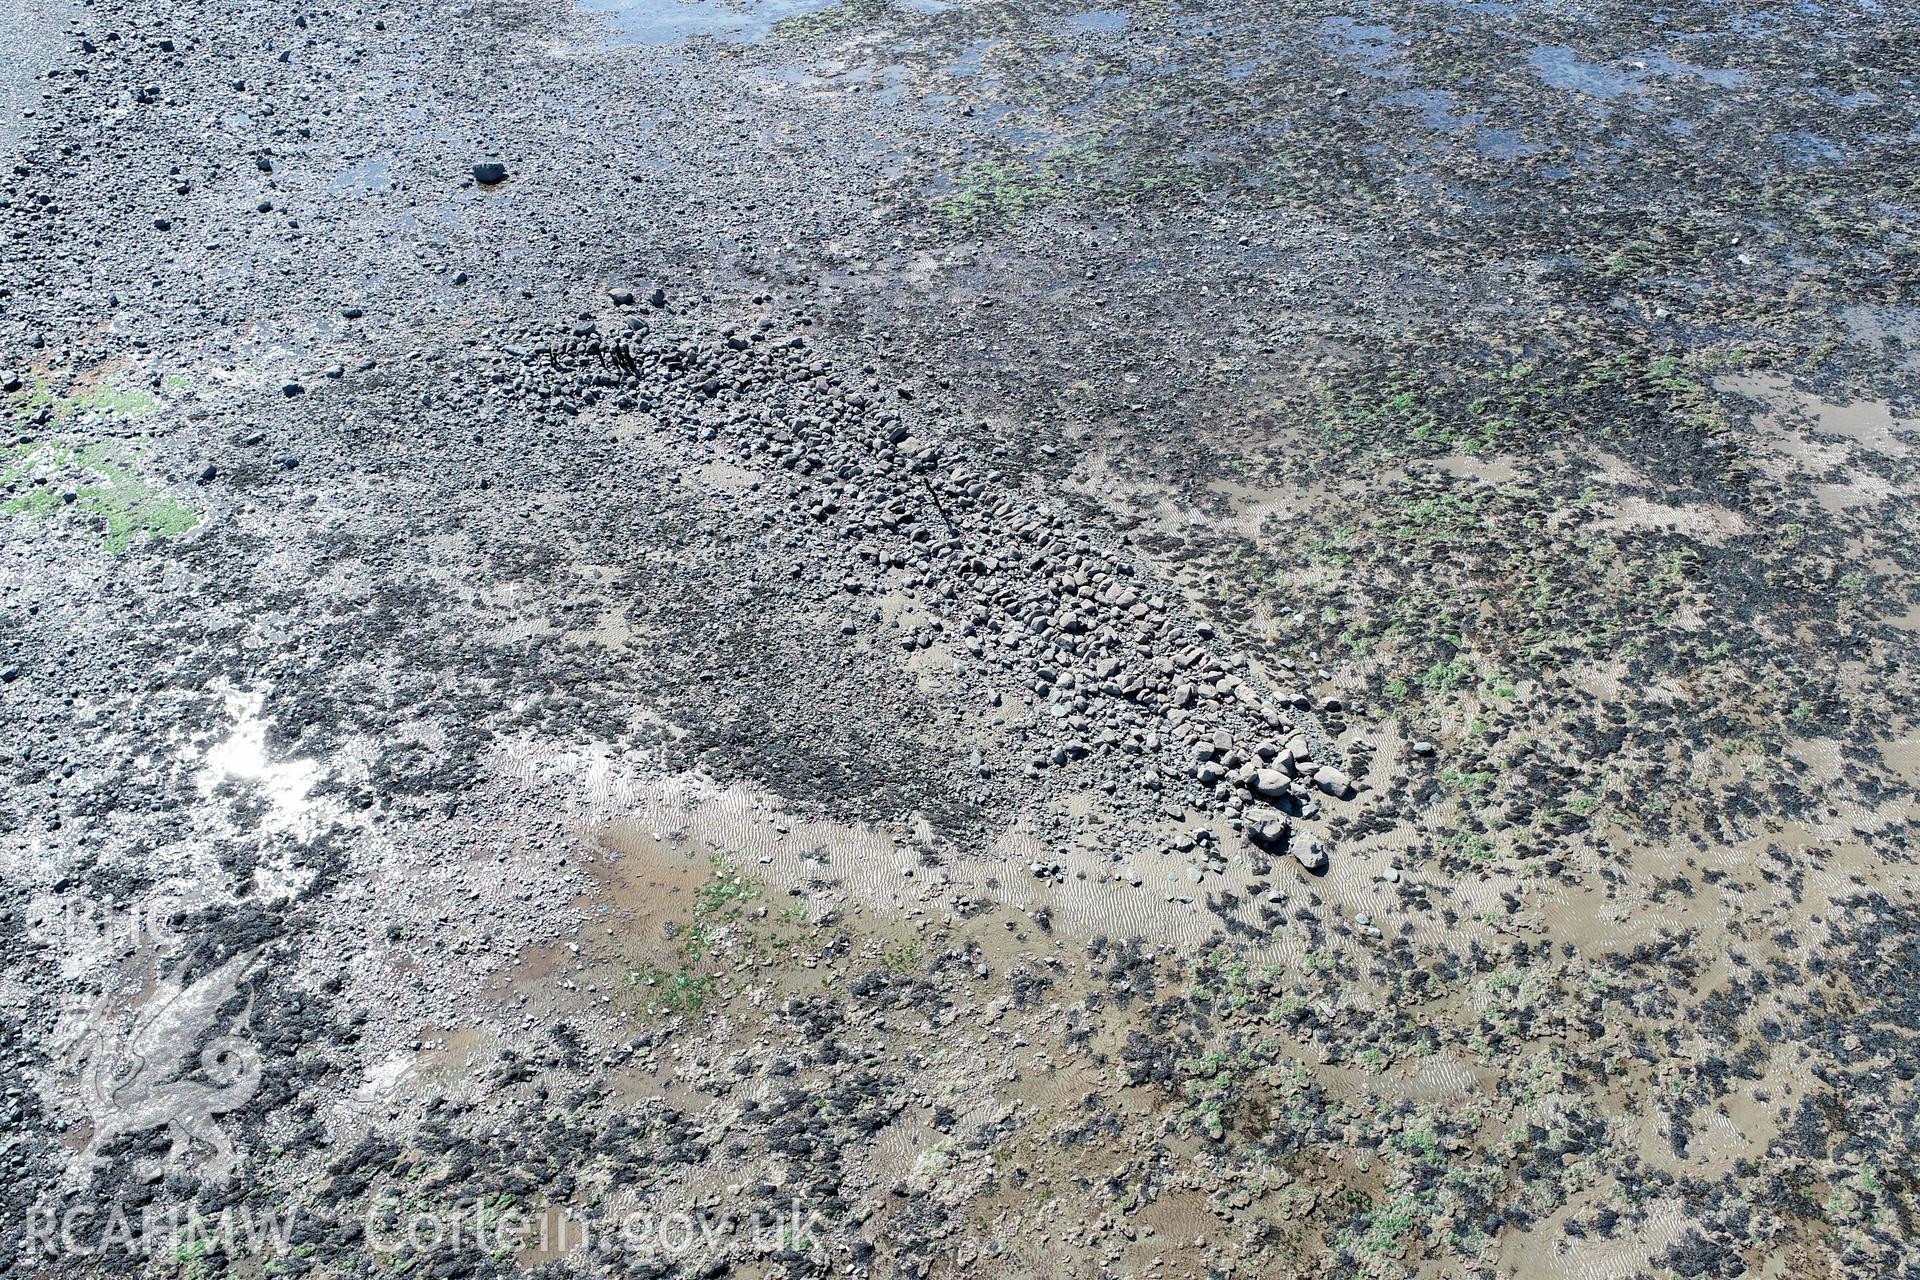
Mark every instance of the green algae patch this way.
pixel 105 483
pixel 1399 408
pixel 88 399
pixel 848 15
pixel 994 192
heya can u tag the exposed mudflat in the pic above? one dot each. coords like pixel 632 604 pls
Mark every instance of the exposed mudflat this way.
pixel 923 638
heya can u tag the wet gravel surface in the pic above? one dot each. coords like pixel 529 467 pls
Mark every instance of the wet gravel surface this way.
pixel 932 639
pixel 32 37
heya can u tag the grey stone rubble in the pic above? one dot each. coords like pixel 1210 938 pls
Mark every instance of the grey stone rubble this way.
pixel 1032 600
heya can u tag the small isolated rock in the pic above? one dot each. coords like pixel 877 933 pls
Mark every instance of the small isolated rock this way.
pixel 1269 831
pixel 1423 748
pixel 1308 853
pixel 208 472
pixel 1333 782
pixel 1268 784
pixel 489 173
